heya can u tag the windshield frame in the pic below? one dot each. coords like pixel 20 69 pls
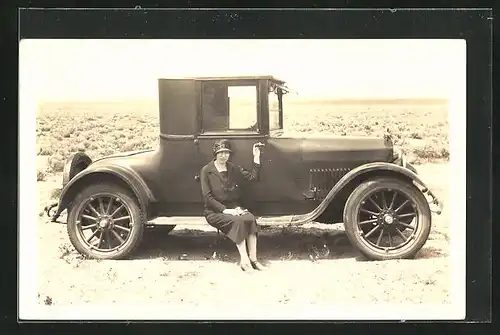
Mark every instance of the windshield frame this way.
pixel 279 90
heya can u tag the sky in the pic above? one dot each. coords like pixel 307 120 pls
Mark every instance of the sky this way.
pixel 94 70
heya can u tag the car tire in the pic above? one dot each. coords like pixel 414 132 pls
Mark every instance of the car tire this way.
pixel 386 218
pixel 75 163
pixel 119 220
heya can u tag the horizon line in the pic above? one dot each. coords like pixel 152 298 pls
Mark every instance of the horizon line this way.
pixel 339 100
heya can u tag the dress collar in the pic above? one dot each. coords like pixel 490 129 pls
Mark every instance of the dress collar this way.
pixel 213 169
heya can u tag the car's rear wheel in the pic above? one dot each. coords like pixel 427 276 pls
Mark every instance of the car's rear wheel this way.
pixel 105 222
pixel 387 218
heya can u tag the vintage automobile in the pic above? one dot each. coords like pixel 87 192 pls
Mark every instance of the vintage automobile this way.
pixel 363 182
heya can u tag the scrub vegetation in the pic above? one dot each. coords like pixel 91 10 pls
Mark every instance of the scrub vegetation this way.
pixel 420 127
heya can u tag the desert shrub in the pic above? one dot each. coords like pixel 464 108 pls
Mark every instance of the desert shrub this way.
pixel 445 153
pixel 430 153
pixel 56 193
pixel 45 151
pixel 68 132
pixel 56 163
pixel 41 175
pixel 416 135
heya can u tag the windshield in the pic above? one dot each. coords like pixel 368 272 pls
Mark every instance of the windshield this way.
pixel 275 107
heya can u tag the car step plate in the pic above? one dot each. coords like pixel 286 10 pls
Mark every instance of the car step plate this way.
pixel 197 220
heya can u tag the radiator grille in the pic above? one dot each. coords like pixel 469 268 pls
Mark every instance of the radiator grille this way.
pixel 322 180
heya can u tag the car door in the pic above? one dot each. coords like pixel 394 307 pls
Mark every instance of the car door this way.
pixel 283 180
pixel 229 110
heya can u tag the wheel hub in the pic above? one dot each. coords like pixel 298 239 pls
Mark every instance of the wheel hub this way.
pixel 388 219
pixel 105 222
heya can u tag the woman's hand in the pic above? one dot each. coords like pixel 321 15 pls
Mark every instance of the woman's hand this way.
pixel 231 211
pixel 256 152
pixel 256 149
pixel 241 211
pixel 235 211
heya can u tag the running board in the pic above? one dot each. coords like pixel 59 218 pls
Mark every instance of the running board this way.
pixel 285 220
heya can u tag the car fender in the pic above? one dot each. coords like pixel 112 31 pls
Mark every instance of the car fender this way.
pixel 134 181
pixel 356 174
pixel 369 168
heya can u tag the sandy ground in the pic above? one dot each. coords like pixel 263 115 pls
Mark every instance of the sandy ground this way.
pixel 311 265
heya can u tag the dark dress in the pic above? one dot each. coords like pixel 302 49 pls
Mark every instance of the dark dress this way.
pixel 222 190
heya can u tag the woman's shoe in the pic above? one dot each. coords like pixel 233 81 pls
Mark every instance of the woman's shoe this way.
pixel 257 266
pixel 246 266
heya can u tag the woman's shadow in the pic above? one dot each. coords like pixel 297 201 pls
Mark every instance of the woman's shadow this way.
pixel 274 243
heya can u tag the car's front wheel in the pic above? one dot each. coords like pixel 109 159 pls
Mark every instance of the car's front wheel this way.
pixel 105 222
pixel 387 218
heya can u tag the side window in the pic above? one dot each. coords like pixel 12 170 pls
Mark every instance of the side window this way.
pixel 229 107
pixel 214 107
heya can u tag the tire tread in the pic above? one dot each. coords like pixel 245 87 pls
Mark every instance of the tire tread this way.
pixel 109 187
pixel 350 229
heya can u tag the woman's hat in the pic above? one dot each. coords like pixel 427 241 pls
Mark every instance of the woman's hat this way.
pixel 222 145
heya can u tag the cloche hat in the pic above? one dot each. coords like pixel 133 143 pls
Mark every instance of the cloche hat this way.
pixel 222 145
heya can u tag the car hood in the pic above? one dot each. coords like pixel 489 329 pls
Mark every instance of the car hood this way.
pixel 345 148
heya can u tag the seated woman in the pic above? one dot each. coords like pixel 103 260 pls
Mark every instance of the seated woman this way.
pixel 220 185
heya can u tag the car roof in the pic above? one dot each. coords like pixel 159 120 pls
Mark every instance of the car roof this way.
pixel 208 78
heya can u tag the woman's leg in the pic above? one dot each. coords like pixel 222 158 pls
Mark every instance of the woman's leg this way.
pixel 242 249
pixel 252 252
pixel 251 239
pixel 234 228
pixel 252 247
